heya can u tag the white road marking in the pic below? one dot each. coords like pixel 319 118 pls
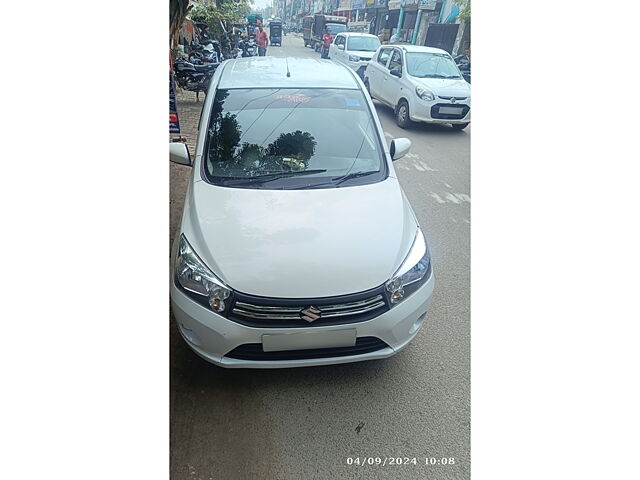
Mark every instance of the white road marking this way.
pixel 452 198
pixel 427 167
pixel 456 198
pixel 437 198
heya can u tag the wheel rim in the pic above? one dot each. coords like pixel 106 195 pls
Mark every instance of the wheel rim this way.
pixel 402 113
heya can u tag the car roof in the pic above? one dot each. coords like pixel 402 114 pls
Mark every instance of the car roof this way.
pixel 271 72
pixel 356 34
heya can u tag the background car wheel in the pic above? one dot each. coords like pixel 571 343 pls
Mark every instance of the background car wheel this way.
pixel 459 126
pixel 402 114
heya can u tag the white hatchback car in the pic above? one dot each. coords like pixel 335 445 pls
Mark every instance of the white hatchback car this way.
pixel 421 84
pixel 354 50
pixel 297 245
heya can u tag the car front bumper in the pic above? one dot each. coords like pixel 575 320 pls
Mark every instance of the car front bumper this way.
pixel 424 111
pixel 213 336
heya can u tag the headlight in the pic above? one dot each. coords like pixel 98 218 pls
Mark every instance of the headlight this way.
pixel 354 58
pixel 425 94
pixel 194 276
pixel 411 273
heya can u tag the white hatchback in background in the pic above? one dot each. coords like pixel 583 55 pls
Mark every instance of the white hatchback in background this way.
pixel 421 84
pixel 297 245
pixel 354 50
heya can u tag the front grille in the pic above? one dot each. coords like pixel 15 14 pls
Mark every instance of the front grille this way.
pixel 444 97
pixel 253 351
pixel 449 116
pixel 271 312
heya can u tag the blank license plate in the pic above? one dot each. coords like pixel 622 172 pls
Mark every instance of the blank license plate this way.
pixel 451 110
pixel 308 340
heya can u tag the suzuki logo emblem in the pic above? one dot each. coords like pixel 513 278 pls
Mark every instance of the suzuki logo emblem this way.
pixel 453 99
pixel 310 314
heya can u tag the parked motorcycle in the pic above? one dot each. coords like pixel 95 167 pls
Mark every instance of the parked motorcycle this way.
pixel 247 47
pixel 194 78
pixel 464 65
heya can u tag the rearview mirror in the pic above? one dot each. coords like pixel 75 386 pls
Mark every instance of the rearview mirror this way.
pixel 179 153
pixel 340 47
pixel 396 73
pixel 399 148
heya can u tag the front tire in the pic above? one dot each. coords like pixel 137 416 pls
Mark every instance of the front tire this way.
pixel 402 114
pixel 459 126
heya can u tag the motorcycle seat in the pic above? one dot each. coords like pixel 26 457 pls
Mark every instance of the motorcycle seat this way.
pixel 205 68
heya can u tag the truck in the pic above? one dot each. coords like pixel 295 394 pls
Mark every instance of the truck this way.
pixel 313 27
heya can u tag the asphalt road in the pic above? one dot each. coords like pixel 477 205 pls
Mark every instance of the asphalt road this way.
pixel 305 423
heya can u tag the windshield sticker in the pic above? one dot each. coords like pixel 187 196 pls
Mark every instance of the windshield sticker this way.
pixel 352 102
pixel 299 98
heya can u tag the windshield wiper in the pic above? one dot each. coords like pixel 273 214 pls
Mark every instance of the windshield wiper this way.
pixel 267 177
pixel 344 178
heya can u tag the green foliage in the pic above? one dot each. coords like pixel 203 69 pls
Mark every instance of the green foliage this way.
pixel 465 10
pixel 227 13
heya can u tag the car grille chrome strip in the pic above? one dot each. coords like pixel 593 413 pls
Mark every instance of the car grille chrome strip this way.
pixel 443 97
pixel 284 313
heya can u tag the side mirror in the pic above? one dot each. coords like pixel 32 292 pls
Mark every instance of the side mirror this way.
pixel 179 153
pixel 340 47
pixel 399 148
pixel 396 73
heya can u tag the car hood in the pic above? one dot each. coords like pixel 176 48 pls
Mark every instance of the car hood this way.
pixel 300 243
pixel 446 86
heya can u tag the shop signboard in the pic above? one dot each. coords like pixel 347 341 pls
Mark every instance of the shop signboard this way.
pixel 344 5
pixel 427 4
pixel 357 4
pixel 395 4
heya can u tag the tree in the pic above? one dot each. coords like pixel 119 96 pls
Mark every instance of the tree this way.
pixel 178 11
pixel 227 12
pixel 465 10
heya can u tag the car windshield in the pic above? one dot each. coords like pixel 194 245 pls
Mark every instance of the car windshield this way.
pixel 431 65
pixel 363 44
pixel 335 28
pixel 292 138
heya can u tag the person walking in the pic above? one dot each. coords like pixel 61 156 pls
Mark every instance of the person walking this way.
pixel 262 39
